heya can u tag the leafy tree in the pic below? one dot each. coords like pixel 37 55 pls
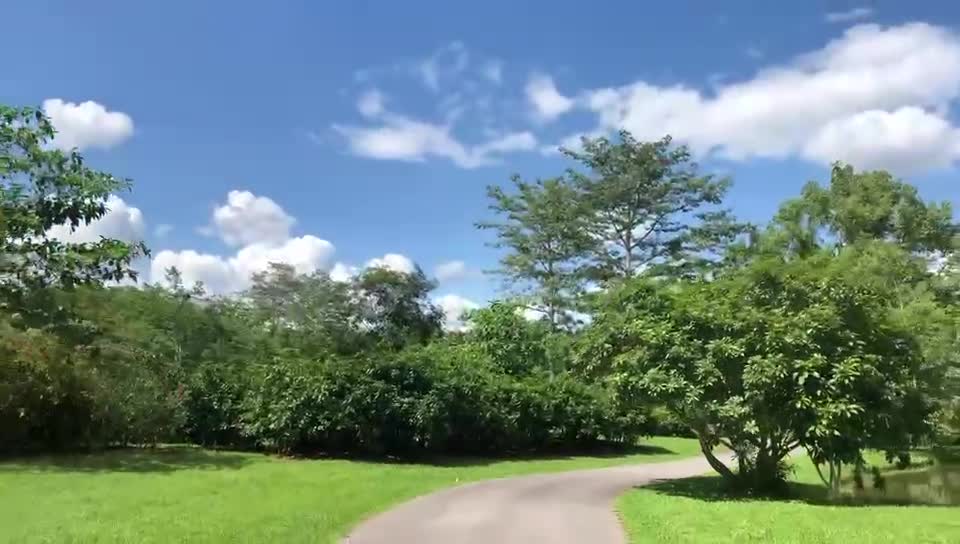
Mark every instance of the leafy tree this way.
pixel 647 206
pixel 858 206
pixel 542 228
pixel 311 312
pixel 395 307
pixel 40 188
pixel 776 356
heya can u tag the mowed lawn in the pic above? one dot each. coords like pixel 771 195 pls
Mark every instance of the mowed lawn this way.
pixel 190 494
pixel 693 511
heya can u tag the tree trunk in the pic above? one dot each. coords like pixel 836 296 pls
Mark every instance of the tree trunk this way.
pixel 715 463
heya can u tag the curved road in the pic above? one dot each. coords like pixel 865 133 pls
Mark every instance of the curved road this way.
pixel 566 507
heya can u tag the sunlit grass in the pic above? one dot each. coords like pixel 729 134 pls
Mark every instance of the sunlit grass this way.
pixel 195 495
pixel 695 510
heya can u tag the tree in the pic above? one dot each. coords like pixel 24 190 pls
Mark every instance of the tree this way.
pixel 647 206
pixel 395 308
pixel 778 355
pixel 542 227
pixel 40 188
pixel 858 206
pixel 309 311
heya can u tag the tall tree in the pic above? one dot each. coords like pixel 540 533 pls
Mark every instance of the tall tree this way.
pixel 542 227
pixel 647 206
pixel 857 206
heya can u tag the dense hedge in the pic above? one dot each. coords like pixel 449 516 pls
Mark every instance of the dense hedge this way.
pixel 443 399
pixel 413 404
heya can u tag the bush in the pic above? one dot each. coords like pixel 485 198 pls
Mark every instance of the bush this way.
pixel 433 400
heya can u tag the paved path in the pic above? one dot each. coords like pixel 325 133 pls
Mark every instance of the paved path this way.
pixel 567 507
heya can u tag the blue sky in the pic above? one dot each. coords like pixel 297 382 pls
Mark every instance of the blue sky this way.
pixel 353 130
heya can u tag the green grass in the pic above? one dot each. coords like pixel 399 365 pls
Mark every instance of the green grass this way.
pixel 190 494
pixel 695 511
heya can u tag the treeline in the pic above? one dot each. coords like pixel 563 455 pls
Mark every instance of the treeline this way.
pixel 835 327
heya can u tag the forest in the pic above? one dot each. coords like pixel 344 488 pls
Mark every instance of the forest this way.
pixel 834 327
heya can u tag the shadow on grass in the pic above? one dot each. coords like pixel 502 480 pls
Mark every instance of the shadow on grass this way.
pixel 605 450
pixel 936 486
pixel 144 460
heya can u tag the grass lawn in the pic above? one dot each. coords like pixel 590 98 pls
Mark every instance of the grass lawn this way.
pixel 190 494
pixel 694 511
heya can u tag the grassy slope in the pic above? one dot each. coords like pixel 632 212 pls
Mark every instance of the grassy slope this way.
pixel 693 511
pixel 188 494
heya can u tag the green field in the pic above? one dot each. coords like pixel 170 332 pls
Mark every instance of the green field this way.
pixel 190 494
pixel 693 511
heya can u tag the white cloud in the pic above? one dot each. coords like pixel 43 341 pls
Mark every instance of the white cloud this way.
pixel 249 219
pixel 754 52
pixel 493 71
pixel 868 77
pixel 447 62
pixel 230 274
pixel 393 261
pixel 849 15
pixel 342 272
pixel 120 222
pixel 86 125
pixel 451 271
pixel 404 139
pixel 370 103
pixel 547 102
pixel 901 141
pixel 214 271
pixel 453 307
pixel 261 229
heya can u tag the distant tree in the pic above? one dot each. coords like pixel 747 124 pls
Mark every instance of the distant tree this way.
pixel 542 227
pixel 858 206
pixel 395 307
pixel 647 208
pixel 311 311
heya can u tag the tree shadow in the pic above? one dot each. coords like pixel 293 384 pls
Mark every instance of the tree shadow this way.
pixel 142 460
pixel 602 450
pixel 931 487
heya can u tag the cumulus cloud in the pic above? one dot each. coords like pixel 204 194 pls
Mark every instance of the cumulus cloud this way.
pixel 343 272
pixel 451 271
pixel 454 307
pixel 849 15
pixel 867 78
pixel 250 219
pixel 546 100
pixel 404 139
pixel 260 229
pixel 370 103
pixel 393 261
pixel 86 125
pixel 230 274
pixel 120 222
pixel 902 141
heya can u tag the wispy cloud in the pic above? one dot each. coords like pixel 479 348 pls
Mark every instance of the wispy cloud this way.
pixel 854 14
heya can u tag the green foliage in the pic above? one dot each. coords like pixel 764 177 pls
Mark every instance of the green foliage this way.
pixel 39 189
pixel 439 399
pixel 782 354
pixel 543 227
pixel 394 306
pixel 860 206
pixel 647 208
